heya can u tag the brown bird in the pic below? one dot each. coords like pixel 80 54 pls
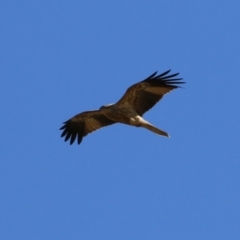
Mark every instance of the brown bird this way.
pixel 129 110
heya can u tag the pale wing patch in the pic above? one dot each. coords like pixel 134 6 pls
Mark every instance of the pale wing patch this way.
pixel 91 125
pixel 158 90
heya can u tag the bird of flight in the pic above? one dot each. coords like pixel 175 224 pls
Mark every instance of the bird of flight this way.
pixel 137 100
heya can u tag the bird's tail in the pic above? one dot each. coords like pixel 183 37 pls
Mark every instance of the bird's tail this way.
pixel 155 130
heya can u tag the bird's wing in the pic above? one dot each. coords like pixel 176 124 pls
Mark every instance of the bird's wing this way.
pixel 144 95
pixel 82 124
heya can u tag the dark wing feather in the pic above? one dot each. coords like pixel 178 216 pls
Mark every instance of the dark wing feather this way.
pixel 144 95
pixel 82 124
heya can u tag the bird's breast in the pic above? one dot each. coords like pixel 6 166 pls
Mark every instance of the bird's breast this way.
pixel 122 115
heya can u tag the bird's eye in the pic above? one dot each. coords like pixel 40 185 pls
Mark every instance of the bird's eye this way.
pixel 102 107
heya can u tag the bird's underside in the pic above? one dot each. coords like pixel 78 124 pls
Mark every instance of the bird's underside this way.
pixel 129 110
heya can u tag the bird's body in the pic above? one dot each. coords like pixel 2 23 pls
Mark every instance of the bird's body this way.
pixel 138 99
pixel 127 115
pixel 121 114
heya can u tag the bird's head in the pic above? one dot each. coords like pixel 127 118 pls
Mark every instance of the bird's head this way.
pixel 105 106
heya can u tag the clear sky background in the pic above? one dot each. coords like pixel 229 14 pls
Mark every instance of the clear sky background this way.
pixel 59 58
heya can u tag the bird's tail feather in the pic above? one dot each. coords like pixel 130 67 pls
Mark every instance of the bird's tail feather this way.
pixel 155 130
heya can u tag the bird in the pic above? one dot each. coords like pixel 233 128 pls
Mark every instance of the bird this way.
pixel 137 100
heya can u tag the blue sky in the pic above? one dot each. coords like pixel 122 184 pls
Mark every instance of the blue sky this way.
pixel 59 58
